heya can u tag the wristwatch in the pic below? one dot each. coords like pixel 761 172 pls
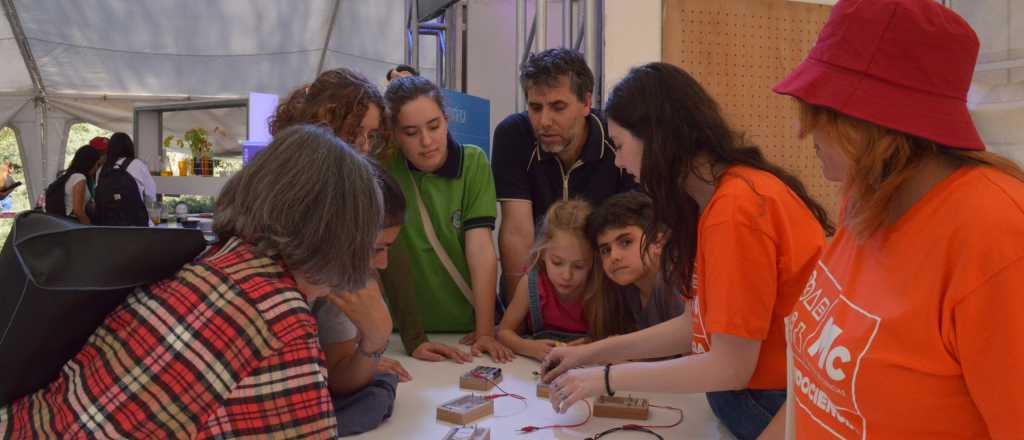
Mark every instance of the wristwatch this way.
pixel 374 355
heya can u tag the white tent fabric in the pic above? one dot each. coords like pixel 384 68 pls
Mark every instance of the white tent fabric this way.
pixel 997 94
pixel 11 105
pixel 98 58
pixel 189 47
pixel 13 75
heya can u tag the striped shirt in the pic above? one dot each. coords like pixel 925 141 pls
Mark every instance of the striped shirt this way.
pixel 225 348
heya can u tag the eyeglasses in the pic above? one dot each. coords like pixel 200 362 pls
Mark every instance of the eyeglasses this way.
pixel 372 141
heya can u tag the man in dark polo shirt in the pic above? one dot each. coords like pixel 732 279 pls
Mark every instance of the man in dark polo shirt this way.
pixel 558 149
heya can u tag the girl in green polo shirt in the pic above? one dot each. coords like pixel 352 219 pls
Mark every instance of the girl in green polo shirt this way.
pixel 450 265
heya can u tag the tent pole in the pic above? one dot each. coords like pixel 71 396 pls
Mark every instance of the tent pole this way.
pixel 327 38
pixel 39 89
pixel 23 47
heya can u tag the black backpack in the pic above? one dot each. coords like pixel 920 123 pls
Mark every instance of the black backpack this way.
pixel 62 278
pixel 118 202
pixel 55 197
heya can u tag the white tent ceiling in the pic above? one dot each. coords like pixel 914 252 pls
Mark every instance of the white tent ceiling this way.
pixel 13 75
pixel 97 58
pixel 197 47
pixel 997 94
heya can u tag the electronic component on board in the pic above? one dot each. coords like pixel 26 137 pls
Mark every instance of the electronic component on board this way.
pixel 543 390
pixel 465 409
pixel 468 433
pixel 622 407
pixel 481 378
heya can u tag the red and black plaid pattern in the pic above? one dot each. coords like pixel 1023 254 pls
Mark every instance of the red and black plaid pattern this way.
pixel 226 348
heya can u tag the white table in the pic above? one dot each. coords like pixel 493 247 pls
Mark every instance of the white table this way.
pixel 415 413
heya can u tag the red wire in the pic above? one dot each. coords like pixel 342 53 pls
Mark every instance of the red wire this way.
pixel 590 413
pixel 495 396
pixel 660 426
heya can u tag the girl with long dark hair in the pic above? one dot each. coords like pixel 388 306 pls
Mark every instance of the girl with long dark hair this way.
pixel 76 183
pixel 741 237
pixel 121 152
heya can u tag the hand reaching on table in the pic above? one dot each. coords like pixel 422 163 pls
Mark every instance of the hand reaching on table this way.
pixel 539 348
pixel 436 352
pixel 388 365
pixel 561 359
pixel 575 385
pixel 469 339
pixel 487 344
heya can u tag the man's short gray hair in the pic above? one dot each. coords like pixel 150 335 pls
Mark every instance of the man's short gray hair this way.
pixel 311 199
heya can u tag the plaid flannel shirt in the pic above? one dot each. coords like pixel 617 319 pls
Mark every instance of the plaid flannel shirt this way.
pixel 225 348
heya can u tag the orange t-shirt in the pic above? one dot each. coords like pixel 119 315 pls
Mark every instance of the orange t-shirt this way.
pixel 756 245
pixel 918 332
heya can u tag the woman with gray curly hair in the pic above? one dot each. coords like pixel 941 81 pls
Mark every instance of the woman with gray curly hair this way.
pixel 194 355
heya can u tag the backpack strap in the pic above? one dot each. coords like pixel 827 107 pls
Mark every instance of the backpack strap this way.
pixel 124 165
pixel 533 290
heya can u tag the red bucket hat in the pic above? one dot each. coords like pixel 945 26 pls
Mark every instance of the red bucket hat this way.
pixel 99 143
pixel 901 64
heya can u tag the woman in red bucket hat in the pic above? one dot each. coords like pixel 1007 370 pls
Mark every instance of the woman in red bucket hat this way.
pixel 912 324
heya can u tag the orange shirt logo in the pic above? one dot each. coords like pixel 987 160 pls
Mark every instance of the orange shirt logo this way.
pixel 701 341
pixel 830 336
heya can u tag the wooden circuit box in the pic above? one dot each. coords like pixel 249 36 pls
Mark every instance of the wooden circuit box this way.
pixel 468 433
pixel 465 409
pixel 622 407
pixel 480 378
pixel 543 390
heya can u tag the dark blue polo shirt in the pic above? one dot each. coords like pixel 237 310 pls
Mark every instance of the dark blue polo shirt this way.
pixel 524 171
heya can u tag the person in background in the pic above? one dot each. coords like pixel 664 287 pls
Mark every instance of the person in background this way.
pixel 635 293
pixel 6 182
pixel 100 143
pixel 227 346
pixel 741 236
pixel 362 386
pixel 343 100
pixel 78 183
pixel 401 71
pixel 557 300
pixel 912 323
pixel 120 150
pixel 448 237
pixel 556 150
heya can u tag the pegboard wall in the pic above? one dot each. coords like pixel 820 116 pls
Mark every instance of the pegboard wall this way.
pixel 739 49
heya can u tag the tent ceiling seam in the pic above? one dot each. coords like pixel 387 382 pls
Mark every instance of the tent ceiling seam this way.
pixel 24 48
pixel 170 54
pixel 327 38
pixel 363 57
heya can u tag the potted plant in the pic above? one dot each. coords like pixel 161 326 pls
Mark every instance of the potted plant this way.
pixel 201 148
